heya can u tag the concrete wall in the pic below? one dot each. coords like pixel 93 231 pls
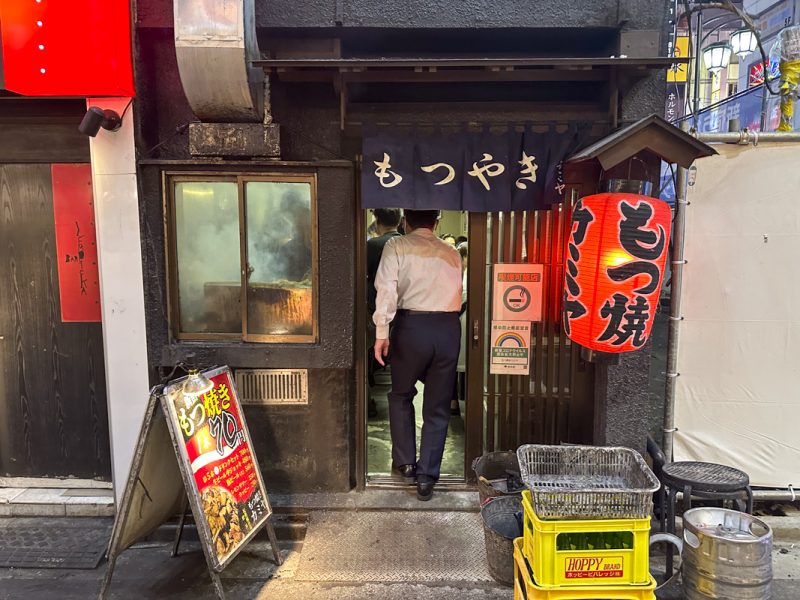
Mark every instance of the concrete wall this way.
pixel 299 448
pixel 640 14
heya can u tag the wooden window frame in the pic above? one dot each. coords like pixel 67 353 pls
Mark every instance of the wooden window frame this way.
pixel 169 179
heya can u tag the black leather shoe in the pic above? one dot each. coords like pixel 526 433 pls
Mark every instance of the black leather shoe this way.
pixel 408 473
pixel 424 490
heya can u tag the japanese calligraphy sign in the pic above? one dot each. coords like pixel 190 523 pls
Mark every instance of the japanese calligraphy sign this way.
pixel 484 172
pixel 76 243
pixel 517 292
pixel 218 464
pixel 511 342
pixel 616 254
pixel 677 72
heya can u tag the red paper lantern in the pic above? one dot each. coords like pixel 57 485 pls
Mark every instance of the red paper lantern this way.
pixel 67 47
pixel 617 250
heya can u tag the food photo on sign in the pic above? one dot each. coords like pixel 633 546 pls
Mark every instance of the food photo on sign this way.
pixel 217 460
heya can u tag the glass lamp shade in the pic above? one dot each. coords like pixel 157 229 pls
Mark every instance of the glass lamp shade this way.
pixel 717 57
pixel 743 42
pixel 196 384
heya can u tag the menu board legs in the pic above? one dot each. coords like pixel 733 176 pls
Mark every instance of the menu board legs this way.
pixel 179 530
pixel 273 542
pixel 215 476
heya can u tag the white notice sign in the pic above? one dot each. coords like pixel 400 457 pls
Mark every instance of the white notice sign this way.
pixel 511 341
pixel 517 292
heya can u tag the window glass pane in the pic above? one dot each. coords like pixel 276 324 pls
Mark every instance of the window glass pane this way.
pixel 279 251
pixel 209 257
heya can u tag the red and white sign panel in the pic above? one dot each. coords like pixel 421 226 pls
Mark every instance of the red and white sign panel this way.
pixel 517 292
pixel 67 47
pixel 215 447
pixel 76 243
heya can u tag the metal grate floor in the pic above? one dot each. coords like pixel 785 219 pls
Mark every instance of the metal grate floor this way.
pixel 394 546
pixel 37 546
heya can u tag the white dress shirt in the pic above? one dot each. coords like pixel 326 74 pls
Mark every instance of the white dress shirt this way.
pixel 420 272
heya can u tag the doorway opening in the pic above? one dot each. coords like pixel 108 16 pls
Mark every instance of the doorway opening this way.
pixel 453 229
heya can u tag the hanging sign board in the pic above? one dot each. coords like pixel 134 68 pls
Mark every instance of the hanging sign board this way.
pixel 76 243
pixel 195 452
pixel 218 466
pixel 511 342
pixel 517 292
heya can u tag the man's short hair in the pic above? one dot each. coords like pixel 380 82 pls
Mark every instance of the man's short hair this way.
pixel 387 217
pixel 421 218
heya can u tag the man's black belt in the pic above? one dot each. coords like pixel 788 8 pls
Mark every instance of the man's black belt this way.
pixel 411 313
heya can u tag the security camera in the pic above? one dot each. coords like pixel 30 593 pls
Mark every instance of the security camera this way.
pixel 95 118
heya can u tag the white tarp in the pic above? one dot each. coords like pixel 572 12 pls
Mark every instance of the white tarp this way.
pixel 738 393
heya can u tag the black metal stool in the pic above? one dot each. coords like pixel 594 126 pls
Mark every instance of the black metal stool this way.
pixel 708 481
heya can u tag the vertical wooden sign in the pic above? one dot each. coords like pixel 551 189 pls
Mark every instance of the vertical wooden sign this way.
pixel 76 243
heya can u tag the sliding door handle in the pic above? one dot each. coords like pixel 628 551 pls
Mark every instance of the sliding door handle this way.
pixel 476 333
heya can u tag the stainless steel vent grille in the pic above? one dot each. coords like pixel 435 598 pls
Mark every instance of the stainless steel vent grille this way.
pixel 272 386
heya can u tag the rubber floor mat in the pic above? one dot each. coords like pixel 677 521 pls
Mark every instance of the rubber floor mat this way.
pixel 391 546
pixel 28 545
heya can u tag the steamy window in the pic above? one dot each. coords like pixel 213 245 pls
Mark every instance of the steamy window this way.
pixel 243 258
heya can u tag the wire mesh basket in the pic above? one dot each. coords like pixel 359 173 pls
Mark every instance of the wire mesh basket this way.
pixel 587 482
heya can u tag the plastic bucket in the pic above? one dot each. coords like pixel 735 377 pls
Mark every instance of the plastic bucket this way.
pixel 491 471
pixel 501 525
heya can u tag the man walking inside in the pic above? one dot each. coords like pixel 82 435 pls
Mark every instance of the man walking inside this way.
pixel 419 292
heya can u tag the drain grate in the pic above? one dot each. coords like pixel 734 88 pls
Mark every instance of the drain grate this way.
pixel 35 546
pixel 394 546
pixel 279 387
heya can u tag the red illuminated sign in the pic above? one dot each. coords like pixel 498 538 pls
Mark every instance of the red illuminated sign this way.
pixel 616 254
pixel 60 48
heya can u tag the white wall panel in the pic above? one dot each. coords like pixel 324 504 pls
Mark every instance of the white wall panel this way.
pixel 738 394
pixel 116 208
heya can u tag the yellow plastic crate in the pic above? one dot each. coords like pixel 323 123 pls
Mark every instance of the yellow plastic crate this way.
pixel 600 552
pixel 526 587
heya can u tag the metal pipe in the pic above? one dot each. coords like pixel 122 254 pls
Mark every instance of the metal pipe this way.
pixel 749 137
pixel 776 495
pixel 697 59
pixel 763 496
pixel 677 262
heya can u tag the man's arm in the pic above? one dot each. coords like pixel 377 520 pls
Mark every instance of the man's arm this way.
pixel 386 299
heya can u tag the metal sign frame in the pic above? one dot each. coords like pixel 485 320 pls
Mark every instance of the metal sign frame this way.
pixel 184 463
pixel 154 494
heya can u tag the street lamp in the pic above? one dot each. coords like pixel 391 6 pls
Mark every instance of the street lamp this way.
pixel 743 42
pixel 717 57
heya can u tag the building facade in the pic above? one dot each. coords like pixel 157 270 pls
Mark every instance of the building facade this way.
pixel 249 138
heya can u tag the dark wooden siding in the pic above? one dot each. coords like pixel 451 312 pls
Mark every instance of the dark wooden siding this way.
pixel 555 403
pixel 53 414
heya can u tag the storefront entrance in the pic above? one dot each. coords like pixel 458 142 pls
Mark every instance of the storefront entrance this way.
pixel 453 229
pixel 554 404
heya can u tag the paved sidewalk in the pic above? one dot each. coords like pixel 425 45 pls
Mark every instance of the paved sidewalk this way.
pixel 147 571
pixel 29 497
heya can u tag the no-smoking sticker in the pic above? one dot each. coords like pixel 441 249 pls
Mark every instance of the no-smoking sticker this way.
pixel 517 292
pixel 517 298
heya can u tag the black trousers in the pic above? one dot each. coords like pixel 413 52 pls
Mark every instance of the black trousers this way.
pixel 423 348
